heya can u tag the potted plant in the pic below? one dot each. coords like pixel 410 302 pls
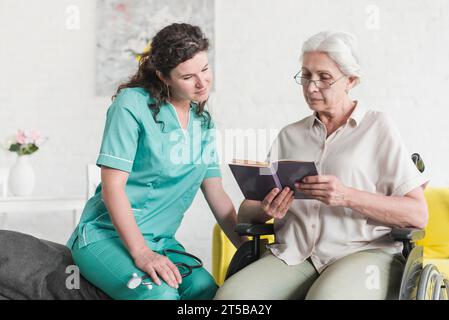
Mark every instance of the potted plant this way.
pixel 21 175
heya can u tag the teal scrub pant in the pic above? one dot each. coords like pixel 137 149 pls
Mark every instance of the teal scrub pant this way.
pixel 108 265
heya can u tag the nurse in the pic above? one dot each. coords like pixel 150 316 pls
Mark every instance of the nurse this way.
pixel 158 149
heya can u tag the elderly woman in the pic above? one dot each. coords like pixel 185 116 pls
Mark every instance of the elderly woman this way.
pixel 337 245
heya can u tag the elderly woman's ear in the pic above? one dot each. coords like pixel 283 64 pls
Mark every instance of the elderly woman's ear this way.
pixel 352 81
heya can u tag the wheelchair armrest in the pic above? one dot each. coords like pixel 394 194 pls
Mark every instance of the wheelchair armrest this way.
pixel 407 234
pixel 248 229
pixel 249 251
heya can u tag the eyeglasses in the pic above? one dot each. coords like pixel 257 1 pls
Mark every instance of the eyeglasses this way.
pixel 320 84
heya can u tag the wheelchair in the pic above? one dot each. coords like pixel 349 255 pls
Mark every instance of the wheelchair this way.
pixel 418 282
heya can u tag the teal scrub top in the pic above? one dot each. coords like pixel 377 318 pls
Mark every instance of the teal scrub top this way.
pixel 166 166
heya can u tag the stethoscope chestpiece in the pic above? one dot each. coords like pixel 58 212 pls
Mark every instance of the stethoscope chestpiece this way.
pixel 136 281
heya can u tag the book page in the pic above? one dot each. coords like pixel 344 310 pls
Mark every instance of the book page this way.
pixel 250 163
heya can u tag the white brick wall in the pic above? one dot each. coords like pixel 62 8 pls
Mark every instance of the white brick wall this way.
pixel 47 83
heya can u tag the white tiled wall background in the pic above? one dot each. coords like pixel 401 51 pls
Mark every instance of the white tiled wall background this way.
pixel 47 82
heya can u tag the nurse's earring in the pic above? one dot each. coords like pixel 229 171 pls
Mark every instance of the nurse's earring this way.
pixel 168 92
pixel 161 78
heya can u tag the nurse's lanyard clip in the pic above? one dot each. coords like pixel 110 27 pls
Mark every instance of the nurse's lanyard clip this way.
pixel 184 270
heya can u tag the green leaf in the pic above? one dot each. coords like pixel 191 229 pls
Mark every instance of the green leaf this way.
pixel 29 149
pixel 14 147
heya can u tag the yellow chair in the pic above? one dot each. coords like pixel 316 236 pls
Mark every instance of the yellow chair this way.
pixel 222 252
pixel 435 243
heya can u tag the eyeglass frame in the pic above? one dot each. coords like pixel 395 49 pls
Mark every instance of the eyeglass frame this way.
pixel 314 81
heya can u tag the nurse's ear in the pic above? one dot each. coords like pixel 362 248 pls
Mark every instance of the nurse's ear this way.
pixel 161 77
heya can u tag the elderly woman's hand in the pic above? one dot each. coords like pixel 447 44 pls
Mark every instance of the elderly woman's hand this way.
pixel 327 189
pixel 276 203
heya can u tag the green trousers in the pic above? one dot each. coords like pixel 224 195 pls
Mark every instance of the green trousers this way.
pixel 108 265
pixel 365 275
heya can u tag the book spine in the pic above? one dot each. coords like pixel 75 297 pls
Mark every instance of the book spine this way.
pixel 275 177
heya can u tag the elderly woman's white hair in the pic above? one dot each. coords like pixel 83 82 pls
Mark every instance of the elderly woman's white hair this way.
pixel 340 47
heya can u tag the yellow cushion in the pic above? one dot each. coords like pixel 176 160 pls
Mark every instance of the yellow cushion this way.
pixel 436 241
pixel 222 252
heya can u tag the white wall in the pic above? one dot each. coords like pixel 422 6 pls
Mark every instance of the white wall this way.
pixel 47 83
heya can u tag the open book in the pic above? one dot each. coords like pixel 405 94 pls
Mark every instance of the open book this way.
pixel 257 179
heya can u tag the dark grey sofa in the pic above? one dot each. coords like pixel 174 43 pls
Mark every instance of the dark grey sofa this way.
pixel 35 269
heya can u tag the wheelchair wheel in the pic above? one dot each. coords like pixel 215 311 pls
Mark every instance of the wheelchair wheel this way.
pixel 432 285
pixel 445 289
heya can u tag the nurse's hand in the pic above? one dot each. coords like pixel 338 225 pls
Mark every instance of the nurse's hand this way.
pixel 155 264
pixel 276 203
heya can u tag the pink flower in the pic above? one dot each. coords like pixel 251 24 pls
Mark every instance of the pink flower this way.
pixel 120 7
pixel 21 138
pixel 32 136
pixel 35 135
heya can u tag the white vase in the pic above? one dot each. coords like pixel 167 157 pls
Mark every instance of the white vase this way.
pixel 21 177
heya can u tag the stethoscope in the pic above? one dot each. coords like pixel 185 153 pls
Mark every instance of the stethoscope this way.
pixel 136 281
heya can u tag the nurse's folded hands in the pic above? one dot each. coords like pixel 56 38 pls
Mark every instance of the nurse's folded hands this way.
pixel 155 264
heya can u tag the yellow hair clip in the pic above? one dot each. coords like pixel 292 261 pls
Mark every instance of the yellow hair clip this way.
pixel 147 49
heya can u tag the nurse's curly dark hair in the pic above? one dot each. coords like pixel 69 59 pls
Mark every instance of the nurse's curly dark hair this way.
pixel 171 46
